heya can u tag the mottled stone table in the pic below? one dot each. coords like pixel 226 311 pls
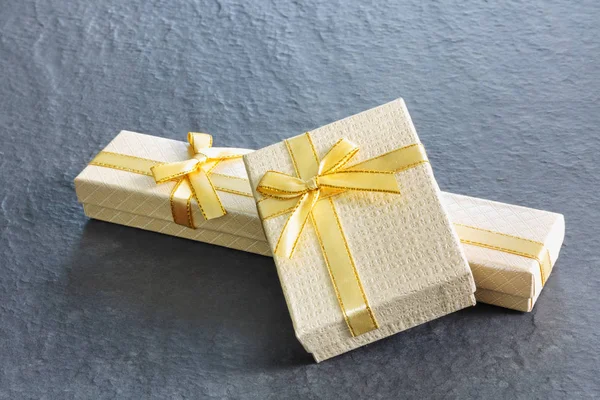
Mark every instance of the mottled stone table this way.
pixel 505 95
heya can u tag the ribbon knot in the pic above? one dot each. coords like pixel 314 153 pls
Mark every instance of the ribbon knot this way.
pixel 312 183
pixel 193 179
pixel 201 158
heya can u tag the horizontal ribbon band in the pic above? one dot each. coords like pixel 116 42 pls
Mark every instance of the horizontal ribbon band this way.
pixel 508 244
pixel 309 195
pixel 124 162
pixel 193 177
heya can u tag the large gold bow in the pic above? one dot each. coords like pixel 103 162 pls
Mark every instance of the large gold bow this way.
pixel 310 195
pixel 194 179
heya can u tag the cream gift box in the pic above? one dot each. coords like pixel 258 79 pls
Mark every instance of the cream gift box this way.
pixel 357 260
pixel 511 249
pixel 502 277
pixel 118 186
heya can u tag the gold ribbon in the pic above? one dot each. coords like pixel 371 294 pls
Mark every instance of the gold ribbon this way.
pixel 508 244
pixel 194 179
pixel 309 195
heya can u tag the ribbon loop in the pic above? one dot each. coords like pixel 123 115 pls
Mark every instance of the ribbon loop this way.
pixel 199 141
pixel 174 171
pixel 337 157
pixel 278 185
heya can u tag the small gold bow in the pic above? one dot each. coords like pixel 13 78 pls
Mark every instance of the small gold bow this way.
pixel 193 177
pixel 310 194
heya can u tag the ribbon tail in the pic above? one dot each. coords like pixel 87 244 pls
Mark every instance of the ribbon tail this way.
pixel 181 208
pixel 293 226
pixel 206 195
pixel 340 264
pixel 270 207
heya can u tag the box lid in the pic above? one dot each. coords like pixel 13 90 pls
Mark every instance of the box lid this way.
pixel 403 246
pixel 139 194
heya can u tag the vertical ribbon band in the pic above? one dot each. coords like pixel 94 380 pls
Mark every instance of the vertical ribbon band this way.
pixel 508 244
pixel 309 195
pixel 193 177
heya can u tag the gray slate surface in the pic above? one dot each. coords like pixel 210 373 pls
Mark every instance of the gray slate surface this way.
pixel 505 95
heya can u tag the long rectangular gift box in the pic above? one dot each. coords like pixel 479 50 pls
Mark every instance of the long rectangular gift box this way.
pixel 361 241
pixel 119 185
pixel 505 275
pixel 511 249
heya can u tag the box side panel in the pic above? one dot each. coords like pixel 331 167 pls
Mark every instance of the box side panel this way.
pixel 503 272
pixel 430 311
pixel 171 228
pixel 504 300
pixel 556 237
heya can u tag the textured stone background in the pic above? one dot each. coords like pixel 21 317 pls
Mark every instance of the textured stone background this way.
pixel 505 95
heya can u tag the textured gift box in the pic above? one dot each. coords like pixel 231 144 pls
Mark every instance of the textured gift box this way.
pixel 405 250
pixel 502 278
pixel 136 200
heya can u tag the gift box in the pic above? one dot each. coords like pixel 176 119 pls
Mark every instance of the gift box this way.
pixel 190 190
pixel 502 277
pixel 361 241
pixel 505 275
pixel 511 249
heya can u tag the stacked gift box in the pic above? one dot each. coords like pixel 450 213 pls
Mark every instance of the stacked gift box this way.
pixel 364 242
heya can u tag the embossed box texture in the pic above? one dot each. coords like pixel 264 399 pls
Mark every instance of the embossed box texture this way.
pixel 504 279
pixel 405 249
pixel 136 200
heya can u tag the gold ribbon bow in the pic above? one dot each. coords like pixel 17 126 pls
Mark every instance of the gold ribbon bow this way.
pixel 193 179
pixel 310 195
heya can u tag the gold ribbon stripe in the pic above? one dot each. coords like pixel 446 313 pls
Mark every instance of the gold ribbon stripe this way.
pixel 507 244
pixel 124 162
pixel 141 166
pixel 193 177
pixel 309 195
